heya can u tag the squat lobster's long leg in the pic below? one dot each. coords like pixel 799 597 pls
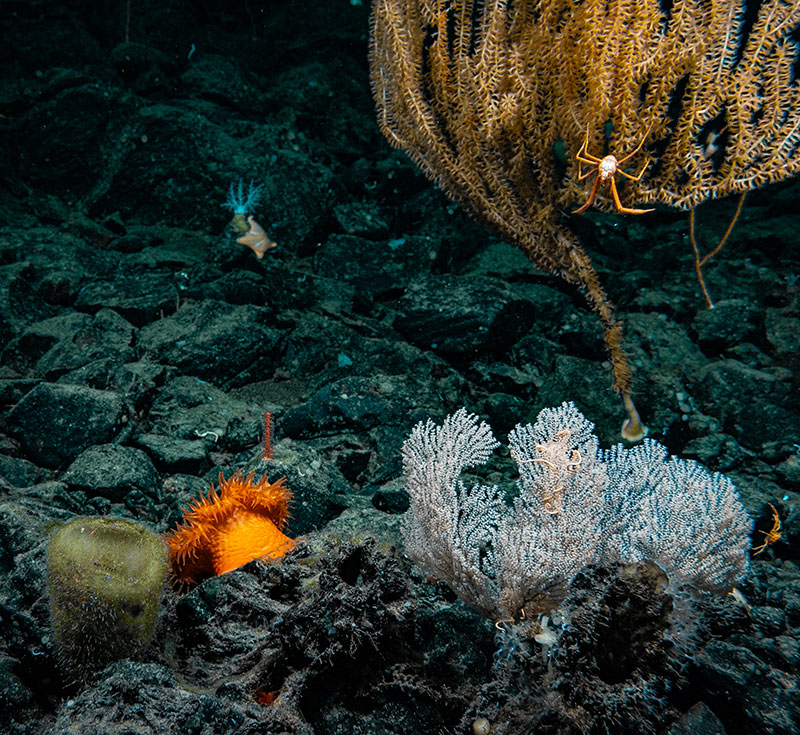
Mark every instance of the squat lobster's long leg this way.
pixel 620 208
pixel 584 156
pixel 589 201
pixel 636 150
pixel 631 176
pixel 638 177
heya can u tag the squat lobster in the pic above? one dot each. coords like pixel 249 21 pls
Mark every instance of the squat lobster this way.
pixel 606 168
pixel 774 533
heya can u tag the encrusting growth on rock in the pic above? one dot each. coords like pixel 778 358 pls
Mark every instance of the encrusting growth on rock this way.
pixel 221 532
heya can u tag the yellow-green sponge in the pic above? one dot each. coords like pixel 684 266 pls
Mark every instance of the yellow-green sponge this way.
pixel 106 577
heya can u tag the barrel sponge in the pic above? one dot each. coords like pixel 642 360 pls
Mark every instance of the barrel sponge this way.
pixel 105 577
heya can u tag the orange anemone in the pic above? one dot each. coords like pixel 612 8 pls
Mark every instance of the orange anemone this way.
pixel 225 530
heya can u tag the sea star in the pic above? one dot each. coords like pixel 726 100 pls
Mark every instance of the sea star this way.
pixel 256 239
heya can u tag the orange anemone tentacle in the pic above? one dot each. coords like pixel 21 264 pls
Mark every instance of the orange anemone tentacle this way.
pixel 226 529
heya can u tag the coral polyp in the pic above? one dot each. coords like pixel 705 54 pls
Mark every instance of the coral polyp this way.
pixel 220 532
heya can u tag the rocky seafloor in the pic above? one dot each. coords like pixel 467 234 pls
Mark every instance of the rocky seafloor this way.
pixel 142 346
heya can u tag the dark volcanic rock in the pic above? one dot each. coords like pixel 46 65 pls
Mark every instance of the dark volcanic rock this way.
pixel 461 316
pixel 55 422
pixel 112 470
pixel 222 343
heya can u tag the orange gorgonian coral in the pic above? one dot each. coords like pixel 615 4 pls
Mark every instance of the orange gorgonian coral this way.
pixel 225 530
